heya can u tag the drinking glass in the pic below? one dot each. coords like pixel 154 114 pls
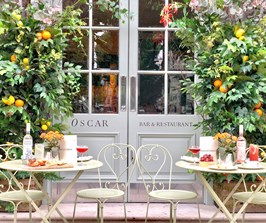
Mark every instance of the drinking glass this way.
pixel 82 149
pixel 195 150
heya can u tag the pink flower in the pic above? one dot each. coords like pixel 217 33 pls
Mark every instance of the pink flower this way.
pixel 194 3
pixel 48 21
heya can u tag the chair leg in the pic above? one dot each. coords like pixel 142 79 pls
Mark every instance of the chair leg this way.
pixel 125 211
pixel 30 212
pixel 74 211
pixel 147 211
pixel 198 210
pixel 171 213
pixel 15 213
pixel 174 210
pixel 101 212
pixel 98 211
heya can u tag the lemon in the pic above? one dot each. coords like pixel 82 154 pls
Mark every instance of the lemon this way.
pixel 48 123
pixel 44 127
pixel 240 32
pixel 11 99
pixel 262 154
pixel 25 61
pixel 245 58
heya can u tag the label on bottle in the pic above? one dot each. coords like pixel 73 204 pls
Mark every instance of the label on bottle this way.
pixel 241 151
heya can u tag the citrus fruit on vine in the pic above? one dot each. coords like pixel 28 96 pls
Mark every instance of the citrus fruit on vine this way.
pixel 258 105
pixel 25 61
pixel 13 58
pixel 259 112
pixel 46 35
pixel 19 103
pixel 222 89
pixel 44 127
pixel 39 36
pixel 217 83
pixel 240 32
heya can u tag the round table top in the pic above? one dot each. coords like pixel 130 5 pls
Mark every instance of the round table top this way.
pixel 17 165
pixel 211 169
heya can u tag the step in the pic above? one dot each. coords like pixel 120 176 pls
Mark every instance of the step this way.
pixel 113 213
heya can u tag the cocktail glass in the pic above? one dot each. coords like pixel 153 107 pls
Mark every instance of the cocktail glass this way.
pixel 194 150
pixel 82 150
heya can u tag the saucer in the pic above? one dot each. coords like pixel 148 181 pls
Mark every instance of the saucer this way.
pixel 84 158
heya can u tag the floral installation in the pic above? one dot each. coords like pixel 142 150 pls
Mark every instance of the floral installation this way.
pixel 51 139
pixel 228 42
pixel 226 143
pixel 36 80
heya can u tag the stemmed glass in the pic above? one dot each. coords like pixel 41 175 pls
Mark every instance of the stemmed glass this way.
pixel 195 150
pixel 82 150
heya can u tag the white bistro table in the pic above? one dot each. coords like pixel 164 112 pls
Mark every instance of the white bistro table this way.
pixel 198 170
pixel 16 165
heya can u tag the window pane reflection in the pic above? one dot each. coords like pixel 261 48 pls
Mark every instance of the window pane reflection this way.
pixel 103 18
pixel 105 52
pixel 176 54
pixel 76 54
pixel 80 103
pixel 151 50
pixel 179 102
pixel 149 13
pixel 151 94
pixel 105 93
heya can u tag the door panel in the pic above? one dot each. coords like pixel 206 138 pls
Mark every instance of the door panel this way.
pixel 131 92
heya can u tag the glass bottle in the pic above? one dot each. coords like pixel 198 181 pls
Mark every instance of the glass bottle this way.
pixel 27 145
pixel 241 146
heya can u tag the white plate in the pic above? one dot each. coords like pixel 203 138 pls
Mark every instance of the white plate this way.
pixel 84 158
pixel 249 167
pixel 215 167
pixel 190 159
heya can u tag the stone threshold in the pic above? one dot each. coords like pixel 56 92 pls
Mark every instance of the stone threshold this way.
pixel 113 213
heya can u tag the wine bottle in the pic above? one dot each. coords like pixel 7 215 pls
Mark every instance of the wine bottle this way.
pixel 27 144
pixel 241 146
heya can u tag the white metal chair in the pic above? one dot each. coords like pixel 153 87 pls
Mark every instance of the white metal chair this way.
pixel 155 168
pixel 242 197
pixel 118 161
pixel 11 193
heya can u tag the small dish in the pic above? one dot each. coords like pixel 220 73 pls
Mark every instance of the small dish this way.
pixel 190 159
pixel 250 167
pixel 222 167
pixel 84 158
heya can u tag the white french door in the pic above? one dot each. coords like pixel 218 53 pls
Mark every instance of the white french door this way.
pixel 131 89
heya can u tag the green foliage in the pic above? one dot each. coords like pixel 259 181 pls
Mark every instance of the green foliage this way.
pixel 222 52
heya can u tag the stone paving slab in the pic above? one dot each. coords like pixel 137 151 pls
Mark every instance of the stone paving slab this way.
pixel 113 213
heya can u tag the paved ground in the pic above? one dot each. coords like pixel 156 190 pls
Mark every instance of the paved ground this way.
pixel 159 213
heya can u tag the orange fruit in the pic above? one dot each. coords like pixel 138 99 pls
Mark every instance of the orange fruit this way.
pixel 39 36
pixel 46 35
pixel 217 83
pixel 19 103
pixel 259 112
pixel 258 105
pixel 240 32
pixel 13 58
pixel 222 89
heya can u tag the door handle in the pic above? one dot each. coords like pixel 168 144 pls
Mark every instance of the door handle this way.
pixel 123 94
pixel 133 94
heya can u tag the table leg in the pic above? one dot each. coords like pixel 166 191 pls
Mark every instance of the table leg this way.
pixel 46 195
pixel 215 197
pixel 28 197
pixel 62 196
